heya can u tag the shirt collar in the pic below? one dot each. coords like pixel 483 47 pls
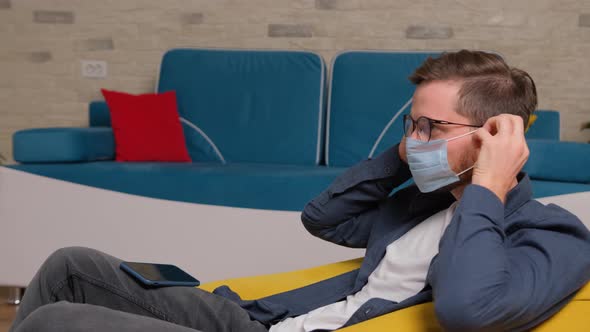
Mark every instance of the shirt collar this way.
pixel 429 203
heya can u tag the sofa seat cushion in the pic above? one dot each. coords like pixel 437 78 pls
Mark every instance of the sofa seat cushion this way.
pixel 261 186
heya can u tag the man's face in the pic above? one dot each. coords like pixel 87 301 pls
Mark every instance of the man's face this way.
pixel 437 100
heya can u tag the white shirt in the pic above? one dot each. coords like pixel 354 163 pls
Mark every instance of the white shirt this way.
pixel 400 275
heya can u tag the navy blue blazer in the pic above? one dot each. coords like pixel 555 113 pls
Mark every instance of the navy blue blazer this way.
pixel 499 266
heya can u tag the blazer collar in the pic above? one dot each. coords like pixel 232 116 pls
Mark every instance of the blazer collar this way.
pixel 519 195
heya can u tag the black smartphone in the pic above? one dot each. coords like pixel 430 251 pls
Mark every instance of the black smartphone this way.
pixel 156 275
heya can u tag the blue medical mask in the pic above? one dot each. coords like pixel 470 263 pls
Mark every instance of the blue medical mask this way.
pixel 429 163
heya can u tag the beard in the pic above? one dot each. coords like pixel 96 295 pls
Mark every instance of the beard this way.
pixel 465 162
pixel 464 179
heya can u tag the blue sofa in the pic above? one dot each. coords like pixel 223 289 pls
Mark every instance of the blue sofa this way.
pixel 263 134
pixel 254 127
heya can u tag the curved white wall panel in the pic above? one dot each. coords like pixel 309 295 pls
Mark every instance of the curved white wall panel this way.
pixel 39 215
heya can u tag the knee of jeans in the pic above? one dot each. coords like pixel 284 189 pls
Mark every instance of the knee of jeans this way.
pixel 48 318
pixel 60 261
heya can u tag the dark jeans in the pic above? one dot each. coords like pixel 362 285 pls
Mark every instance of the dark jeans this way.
pixel 81 289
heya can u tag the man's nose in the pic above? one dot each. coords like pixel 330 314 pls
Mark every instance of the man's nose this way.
pixel 414 134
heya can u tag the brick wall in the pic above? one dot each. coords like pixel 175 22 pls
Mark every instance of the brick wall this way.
pixel 43 42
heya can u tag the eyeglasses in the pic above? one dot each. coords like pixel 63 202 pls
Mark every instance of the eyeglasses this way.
pixel 425 125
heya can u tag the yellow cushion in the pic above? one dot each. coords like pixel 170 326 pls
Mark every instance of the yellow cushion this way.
pixel 265 285
pixel 418 318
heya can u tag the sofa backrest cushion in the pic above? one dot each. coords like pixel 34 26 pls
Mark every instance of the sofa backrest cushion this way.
pixel 559 161
pixel 368 92
pixel 546 126
pixel 248 105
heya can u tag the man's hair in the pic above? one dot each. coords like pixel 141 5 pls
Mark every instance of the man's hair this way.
pixel 489 86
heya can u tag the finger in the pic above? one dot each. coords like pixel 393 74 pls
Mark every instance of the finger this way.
pixel 518 125
pixel 482 135
pixel 526 152
pixel 491 125
pixel 518 138
pixel 523 158
pixel 504 125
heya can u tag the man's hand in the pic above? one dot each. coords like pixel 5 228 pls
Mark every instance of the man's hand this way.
pixel 402 150
pixel 503 152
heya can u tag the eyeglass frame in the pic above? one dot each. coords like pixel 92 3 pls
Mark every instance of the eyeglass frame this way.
pixel 431 123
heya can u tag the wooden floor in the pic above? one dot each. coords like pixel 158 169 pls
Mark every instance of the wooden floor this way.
pixel 7 313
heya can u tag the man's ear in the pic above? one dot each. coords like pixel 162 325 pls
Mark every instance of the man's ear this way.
pixel 473 152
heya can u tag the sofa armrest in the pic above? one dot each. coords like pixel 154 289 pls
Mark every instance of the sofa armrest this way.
pixel 49 145
pixel 99 114
pixel 559 161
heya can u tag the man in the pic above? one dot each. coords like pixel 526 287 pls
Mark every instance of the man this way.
pixel 467 235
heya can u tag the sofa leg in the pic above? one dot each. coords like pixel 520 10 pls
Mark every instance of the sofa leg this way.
pixel 15 295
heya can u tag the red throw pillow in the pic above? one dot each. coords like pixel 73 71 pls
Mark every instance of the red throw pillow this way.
pixel 146 127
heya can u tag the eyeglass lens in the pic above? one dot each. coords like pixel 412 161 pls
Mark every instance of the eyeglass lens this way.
pixel 422 124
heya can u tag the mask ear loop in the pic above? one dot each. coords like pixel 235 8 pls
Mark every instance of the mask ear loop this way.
pixel 470 168
pixel 463 135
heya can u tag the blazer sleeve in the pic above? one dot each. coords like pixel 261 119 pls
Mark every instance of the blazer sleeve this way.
pixel 484 281
pixel 344 212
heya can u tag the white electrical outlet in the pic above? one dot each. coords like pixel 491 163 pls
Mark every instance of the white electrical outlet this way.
pixel 94 69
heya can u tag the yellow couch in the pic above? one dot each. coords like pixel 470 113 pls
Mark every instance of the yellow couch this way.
pixel 420 318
